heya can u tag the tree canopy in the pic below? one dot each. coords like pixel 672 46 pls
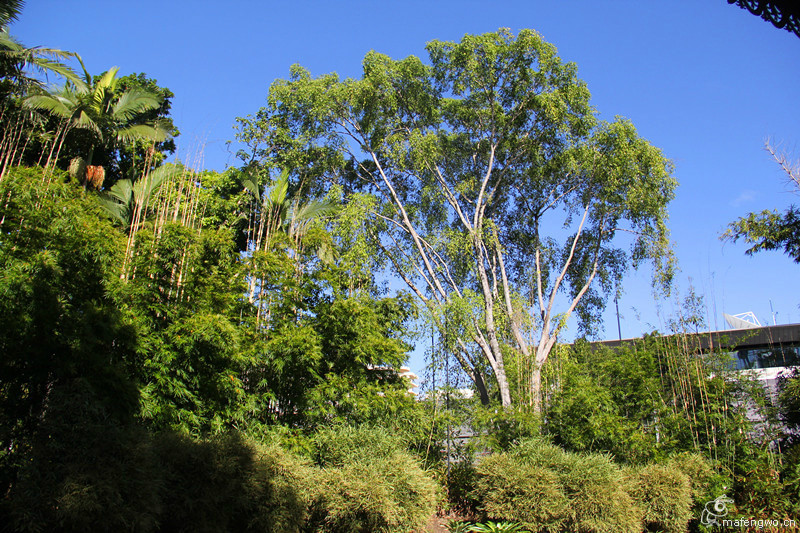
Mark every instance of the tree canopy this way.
pixel 496 194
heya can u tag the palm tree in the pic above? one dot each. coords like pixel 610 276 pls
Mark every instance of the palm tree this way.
pixel 111 116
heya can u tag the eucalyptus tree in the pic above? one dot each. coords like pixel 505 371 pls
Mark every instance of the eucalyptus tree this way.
pixel 496 194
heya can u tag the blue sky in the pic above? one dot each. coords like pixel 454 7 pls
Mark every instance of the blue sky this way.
pixel 704 81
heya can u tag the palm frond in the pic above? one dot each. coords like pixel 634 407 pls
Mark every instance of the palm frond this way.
pixel 277 194
pixel 141 132
pixel 133 102
pixel 145 187
pixel 85 121
pixel 57 105
pixel 47 64
pixel 43 59
pixel 122 191
pixel 10 10
pixel 118 201
pixel 315 209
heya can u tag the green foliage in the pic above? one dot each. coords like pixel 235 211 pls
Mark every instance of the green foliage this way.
pixel 496 527
pixel 507 488
pixel 369 484
pixel 185 299
pixel 88 468
pixel 338 364
pixel 458 526
pixel 647 400
pixel 789 403
pixel 89 475
pixel 706 483
pixel 544 488
pixel 500 429
pixel 60 317
pixel 376 403
pixel 768 230
pixel 230 484
pixel 665 495
pixel 459 482
pixel 790 477
pixel 341 445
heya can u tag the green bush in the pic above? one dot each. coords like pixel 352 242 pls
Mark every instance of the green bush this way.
pixel 546 489
pixel 599 502
pixel 459 483
pixel 340 445
pixel 702 477
pixel 87 470
pixel 230 484
pixel 665 495
pixel 501 429
pixel 511 489
pixel 368 484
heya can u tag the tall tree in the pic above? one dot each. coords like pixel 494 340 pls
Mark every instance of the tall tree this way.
pixel 500 200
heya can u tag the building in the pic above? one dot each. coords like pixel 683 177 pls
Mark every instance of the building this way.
pixel 765 352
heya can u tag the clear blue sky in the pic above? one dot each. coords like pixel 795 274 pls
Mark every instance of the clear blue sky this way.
pixel 703 80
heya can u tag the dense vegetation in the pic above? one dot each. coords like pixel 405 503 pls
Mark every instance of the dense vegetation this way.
pixel 189 350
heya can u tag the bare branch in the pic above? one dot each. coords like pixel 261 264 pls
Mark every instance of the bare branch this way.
pixel 792 169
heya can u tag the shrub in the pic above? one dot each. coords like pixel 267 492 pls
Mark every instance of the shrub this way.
pixel 702 477
pixel 338 446
pixel 510 489
pixel 87 470
pixel 501 429
pixel 460 482
pixel 230 484
pixel 598 500
pixel 368 484
pixel 544 488
pixel 664 494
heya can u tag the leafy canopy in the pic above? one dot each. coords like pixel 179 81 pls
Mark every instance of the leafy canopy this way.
pixel 491 186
